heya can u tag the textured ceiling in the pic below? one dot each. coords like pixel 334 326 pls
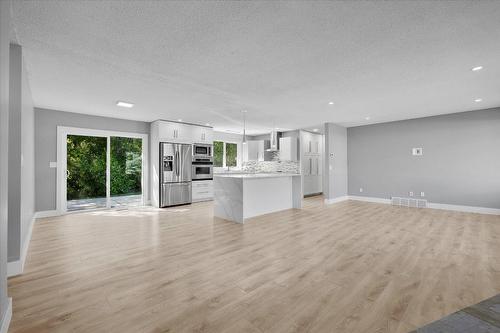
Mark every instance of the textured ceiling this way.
pixel 281 61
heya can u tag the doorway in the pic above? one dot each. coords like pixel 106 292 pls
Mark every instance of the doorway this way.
pixel 100 169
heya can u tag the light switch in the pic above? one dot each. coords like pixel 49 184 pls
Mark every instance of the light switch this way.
pixel 52 164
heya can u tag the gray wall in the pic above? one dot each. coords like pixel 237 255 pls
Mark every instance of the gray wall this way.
pixel 21 155
pixel 14 240
pixel 46 122
pixel 4 147
pixel 27 157
pixel 460 163
pixel 335 161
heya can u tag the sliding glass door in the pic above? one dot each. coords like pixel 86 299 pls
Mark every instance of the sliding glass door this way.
pixel 126 171
pixel 86 172
pixel 100 169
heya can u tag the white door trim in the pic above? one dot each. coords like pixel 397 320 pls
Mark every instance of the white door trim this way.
pixel 63 131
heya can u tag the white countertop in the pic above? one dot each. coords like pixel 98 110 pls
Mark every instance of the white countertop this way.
pixel 256 175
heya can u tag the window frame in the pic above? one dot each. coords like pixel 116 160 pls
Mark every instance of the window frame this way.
pixel 224 156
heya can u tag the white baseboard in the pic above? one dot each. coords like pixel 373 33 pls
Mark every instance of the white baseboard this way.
pixel 4 325
pixel 458 208
pixel 370 199
pixel 14 268
pixel 17 267
pixel 47 213
pixel 335 200
pixel 467 209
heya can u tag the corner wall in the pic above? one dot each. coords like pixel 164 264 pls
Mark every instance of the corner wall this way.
pixel 459 166
pixel 21 162
pixel 335 163
pixel 5 302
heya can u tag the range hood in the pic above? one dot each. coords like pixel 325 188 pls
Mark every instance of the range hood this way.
pixel 274 141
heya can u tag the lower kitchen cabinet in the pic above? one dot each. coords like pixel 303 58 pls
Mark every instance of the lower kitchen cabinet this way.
pixel 202 190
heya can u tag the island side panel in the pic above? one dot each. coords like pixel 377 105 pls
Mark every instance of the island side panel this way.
pixel 266 195
pixel 297 192
pixel 228 198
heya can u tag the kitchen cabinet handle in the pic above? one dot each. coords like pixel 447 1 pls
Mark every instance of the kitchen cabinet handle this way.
pixel 310 166
pixel 310 146
pixel 317 167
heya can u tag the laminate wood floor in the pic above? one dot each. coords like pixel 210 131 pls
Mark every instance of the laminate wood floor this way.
pixel 347 267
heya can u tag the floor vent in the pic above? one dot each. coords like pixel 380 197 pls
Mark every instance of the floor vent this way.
pixel 409 202
pixel 421 203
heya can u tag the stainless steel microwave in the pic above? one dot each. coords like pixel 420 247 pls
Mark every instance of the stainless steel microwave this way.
pixel 201 150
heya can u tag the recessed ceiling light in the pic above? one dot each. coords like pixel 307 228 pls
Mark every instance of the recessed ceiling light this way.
pixel 367 118
pixel 179 119
pixel 477 100
pixel 477 68
pixel 125 104
pixel 330 103
pixel 207 124
pixel 315 130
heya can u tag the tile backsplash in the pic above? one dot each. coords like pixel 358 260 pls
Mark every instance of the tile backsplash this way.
pixel 271 166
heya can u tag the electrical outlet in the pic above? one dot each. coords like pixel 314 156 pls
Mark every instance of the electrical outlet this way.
pixel 411 194
pixel 422 194
pixel 417 151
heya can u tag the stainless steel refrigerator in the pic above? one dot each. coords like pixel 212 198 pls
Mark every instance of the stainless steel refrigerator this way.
pixel 175 174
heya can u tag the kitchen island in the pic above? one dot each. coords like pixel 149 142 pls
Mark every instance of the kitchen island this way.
pixel 238 197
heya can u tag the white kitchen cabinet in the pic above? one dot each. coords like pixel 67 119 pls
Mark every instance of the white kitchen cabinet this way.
pixel 167 131
pixel 311 157
pixel 202 190
pixel 176 132
pixel 253 151
pixel 311 143
pixel 306 142
pixel 288 149
pixel 203 134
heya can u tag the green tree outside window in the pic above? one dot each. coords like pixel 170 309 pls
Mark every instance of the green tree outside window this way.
pixel 218 154
pixel 231 154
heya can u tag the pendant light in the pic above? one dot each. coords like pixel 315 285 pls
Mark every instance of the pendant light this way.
pixel 244 127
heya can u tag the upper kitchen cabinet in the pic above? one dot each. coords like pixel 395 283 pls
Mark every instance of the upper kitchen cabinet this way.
pixel 183 133
pixel 288 149
pixel 174 132
pixel 253 151
pixel 311 143
pixel 203 134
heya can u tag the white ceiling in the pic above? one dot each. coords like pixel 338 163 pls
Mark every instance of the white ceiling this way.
pixel 281 61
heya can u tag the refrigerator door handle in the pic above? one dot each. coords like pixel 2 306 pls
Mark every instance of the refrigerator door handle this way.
pixel 177 163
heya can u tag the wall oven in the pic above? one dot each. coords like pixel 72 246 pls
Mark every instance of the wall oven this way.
pixel 202 170
pixel 202 151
